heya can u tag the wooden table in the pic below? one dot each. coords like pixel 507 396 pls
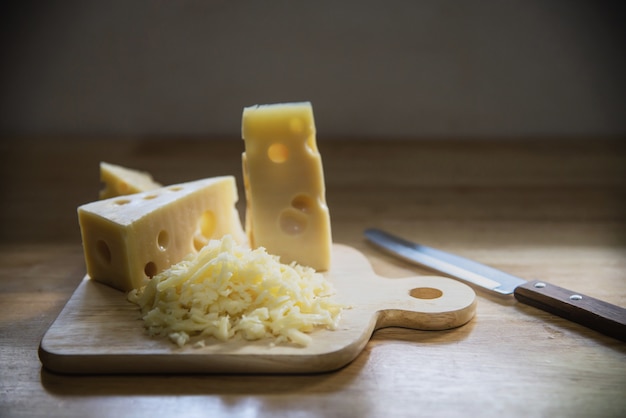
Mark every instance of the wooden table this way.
pixel 547 209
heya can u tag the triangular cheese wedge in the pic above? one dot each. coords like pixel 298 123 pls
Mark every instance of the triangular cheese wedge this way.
pixel 128 239
pixel 120 181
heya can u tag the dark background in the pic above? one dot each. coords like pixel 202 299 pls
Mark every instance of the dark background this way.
pixel 413 69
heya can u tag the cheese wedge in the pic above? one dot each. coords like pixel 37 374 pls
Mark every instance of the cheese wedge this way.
pixel 286 211
pixel 129 239
pixel 119 181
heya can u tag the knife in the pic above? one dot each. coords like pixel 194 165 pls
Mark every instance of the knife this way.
pixel 593 313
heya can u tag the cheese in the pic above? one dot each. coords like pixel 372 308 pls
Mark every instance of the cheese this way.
pixel 227 290
pixel 119 181
pixel 129 239
pixel 286 208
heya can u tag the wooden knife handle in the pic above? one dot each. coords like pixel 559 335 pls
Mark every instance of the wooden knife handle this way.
pixel 593 313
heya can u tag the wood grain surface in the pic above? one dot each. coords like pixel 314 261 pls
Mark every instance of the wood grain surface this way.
pixel 545 209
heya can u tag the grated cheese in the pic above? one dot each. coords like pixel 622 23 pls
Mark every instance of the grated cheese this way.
pixel 227 290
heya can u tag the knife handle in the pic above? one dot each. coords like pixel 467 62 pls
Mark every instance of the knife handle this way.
pixel 593 313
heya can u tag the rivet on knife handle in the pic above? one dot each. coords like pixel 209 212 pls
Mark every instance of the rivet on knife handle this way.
pixel 593 313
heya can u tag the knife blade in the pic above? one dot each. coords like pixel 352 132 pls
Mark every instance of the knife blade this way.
pixel 593 313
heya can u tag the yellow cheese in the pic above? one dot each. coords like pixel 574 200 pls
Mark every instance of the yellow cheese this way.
pixel 119 181
pixel 227 290
pixel 131 238
pixel 286 208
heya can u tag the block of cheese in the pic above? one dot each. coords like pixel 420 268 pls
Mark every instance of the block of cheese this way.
pixel 129 239
pixel 119 181
pixel 286 211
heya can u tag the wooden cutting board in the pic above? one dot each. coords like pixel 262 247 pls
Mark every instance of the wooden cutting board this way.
pixel 99 331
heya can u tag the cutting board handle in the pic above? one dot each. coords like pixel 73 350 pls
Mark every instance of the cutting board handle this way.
pixel 427 303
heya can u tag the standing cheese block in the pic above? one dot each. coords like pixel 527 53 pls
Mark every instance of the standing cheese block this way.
pixel 286 208
pixel 119 181
pixel 129 239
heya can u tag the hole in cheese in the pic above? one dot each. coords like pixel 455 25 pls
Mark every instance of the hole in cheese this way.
pixel 103 251
pixel 292 222
pixel 206 229
pixel 199 241
pixel 163 240
pixel 122 202
pixel 302 202
pixel 150 197
pixel 150 269
pixel 296 125
pixel 278 153
pixel 426 293
pixel 207 223
pixel 175 188
pixel 311 146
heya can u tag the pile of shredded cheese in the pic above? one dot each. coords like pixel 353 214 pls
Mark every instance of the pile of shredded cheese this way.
pixel 226 290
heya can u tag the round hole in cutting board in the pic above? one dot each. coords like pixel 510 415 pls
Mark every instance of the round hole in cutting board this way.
pixel 163 240
pixel 150 269
pixel 426 293
pixel 103 251
pixel 278 153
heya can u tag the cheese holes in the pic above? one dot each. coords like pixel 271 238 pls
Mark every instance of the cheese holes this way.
pixel 163 240
pixel 103 251
pixel 199 241
pixel 292 221
pixel 296 125
pixel 311 145
pixel 426 293
pixel 278 153
pixel 175 188
pixel 151 196
pixel 207 223
pixel 205 230
pixel 303 203
pixel 150 269
pixel 121 202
